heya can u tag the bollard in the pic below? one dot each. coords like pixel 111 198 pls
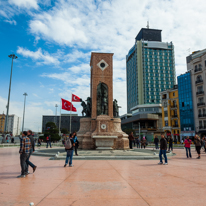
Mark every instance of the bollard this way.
pixel 31 204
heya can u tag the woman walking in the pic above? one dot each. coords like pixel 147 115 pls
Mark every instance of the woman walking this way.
pixel 187 143
pixel 76 142
pixel 143 142
pixel 197 142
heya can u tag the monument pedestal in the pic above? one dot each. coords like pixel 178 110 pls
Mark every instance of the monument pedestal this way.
pixel 104 142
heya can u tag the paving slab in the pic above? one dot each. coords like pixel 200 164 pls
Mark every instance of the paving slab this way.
pixel 104 182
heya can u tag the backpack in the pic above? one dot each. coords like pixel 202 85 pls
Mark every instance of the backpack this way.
pixel 68 144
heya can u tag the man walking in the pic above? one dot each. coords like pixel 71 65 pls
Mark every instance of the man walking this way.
pixel 69 144
pixel 24 151
pixel 131 139
pixel 156 141
pixel 163 149
pixel 48 139
pixel 32 149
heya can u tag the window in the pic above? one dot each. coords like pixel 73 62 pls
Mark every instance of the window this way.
pixel 200 123
pixel 204 123
pixel 166 123
pixel 166 113
pixel 199 111
pixel 199 89
pixel 201 100
pixel 199 78
pixel 205 62
pixel 165 104
pixel 173 94
pixel 195 67
pixel 204 111
pixel 174 103
pixel 183 104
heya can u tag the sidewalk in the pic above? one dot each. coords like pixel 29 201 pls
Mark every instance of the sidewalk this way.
pixel 104 182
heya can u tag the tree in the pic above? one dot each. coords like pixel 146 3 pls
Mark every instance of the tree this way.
pixel 128 131
pixel 52 130
pixel 64 131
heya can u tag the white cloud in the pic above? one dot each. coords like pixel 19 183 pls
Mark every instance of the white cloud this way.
pixel 42 57
pixel 28 4
pixel 11 21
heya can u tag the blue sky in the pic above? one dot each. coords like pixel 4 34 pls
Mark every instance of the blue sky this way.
pixel 54 39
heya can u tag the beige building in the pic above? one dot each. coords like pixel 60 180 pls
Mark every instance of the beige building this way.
pixel 196 64
pixel 2 122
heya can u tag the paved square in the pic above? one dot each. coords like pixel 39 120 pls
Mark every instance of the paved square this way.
pixel 104 182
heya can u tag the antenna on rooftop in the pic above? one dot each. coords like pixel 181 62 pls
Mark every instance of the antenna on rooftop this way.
pixel 148 24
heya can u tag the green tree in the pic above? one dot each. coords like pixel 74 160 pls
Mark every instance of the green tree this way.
pixel 53 131
pixel 64 131
pixel 128 131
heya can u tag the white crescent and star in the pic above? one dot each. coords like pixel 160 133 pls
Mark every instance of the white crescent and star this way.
pixel 66 105
pixel 75 98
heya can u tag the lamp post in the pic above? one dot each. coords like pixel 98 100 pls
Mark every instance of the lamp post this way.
pixel 13 56
pixel 56 113
pixel 25 94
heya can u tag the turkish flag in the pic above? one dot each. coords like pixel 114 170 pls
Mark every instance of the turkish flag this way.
pixel 75 98
pixel 66 105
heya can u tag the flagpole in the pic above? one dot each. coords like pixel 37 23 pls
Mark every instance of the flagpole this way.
pixel 70 115
pixel 60 117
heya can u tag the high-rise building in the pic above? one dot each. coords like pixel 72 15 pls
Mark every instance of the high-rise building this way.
pixel 196 64
pixel 13 125
pixel 150 68
pixel 170 113
pixel 186 105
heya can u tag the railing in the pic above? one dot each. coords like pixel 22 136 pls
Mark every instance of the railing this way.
pixel 200 115
pixel 174 116
pixel 198 69
pixel 200 104
pixel 173 106
pixel 175 125
pixel 199 81
pixel 204 115
pixel 202 127
pixel 200 92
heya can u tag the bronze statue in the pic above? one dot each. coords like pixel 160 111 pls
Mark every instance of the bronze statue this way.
pixel 115 108
pixel 84 111
pixel 102 99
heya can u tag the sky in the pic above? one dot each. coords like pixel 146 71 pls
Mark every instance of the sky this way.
pixel 54 40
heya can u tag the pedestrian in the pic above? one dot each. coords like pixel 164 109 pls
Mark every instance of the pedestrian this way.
pixel 32 149
pixel 69 144
pixel 163 149
pixel 197 142
pixel 39 142
pixel 156 142
pixel 48 139
pixel 188 143
pixel 170 144
pixel 76 142
pixel 131 139
pixel 137 142
pixel 143 142
pixel 25 145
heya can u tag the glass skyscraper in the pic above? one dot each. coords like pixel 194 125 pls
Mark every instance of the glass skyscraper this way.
pixel 186 104
pixel 150 68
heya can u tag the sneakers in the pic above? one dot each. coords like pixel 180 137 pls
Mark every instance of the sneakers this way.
pixel 160 163
pixel 198 158
pixel 165 163
pixel 34 169
pixel 65 165
pixel 21 176
pixel 71 165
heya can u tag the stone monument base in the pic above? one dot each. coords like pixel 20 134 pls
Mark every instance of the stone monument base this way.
pixel 102 133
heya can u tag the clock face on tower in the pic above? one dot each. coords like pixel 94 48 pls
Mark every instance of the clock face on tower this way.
pixel 103 126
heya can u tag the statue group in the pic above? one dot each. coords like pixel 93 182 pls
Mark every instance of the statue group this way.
pixel 102 103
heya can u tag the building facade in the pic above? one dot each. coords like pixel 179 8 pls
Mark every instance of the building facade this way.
pixel 186 105
pixel 146 120
pixel 170 113
pixel 196 64
pixel 65 121
pixel 14 124
pixel 150 68
pixel 2 122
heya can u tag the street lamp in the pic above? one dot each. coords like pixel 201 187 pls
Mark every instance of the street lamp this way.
pixel 25 94
pixel 56 113
pixel 13 56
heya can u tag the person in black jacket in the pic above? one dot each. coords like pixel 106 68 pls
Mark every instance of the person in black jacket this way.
pixel 32 149
pixel 163 149
pixel 156 141
pixel 170 143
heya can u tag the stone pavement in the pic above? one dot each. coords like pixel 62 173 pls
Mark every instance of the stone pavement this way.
pixel 104 182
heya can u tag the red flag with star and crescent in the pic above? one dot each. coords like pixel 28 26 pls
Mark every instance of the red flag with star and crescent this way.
pixel 75 98
pixel 66 105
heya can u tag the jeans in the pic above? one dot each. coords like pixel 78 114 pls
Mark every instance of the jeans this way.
pixel 130 144
pixel 23 158
pixel 69 156
pixel 28 162
pixel 163 152
pixel 188 150
pixel 156 145
pixel 138 145
pixel 48 143
pixel 170 147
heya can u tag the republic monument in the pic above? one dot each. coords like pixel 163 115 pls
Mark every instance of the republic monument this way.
pixel 101 127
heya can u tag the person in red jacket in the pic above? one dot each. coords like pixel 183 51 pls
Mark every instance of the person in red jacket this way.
pixel 187 143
